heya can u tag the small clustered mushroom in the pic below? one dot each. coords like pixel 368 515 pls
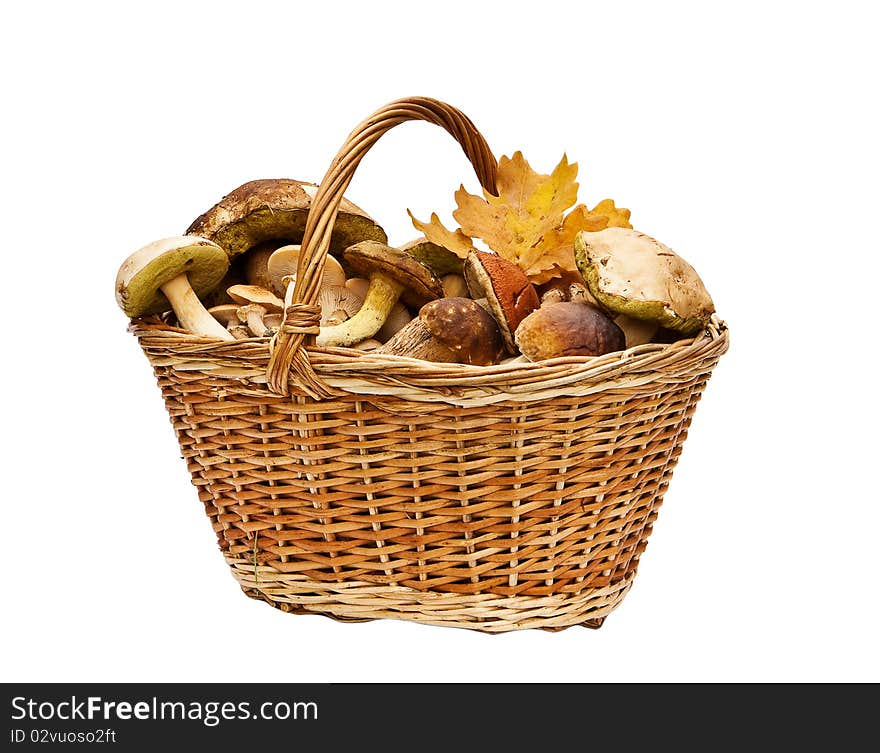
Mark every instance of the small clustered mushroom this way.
pixel 228 276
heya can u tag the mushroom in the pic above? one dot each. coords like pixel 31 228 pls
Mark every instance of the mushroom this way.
pixel 254 303
pixel 636 331
pixel 277 208
pixel 173 273
pixel 338 304
pixel 245 294
pixel 568 329
pixel 466 328
pixel 454 286
pixel 449 330
pixel 252 315
pixel 439 259
pixel 510 295
pixel 255 264
pixel 415 341
pixel 225 313
pixel 393 274
pixel 631 273
pixel 273 320
pixel 397 318
pixel 282 263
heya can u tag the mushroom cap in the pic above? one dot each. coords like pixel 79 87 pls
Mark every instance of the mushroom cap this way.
pixel 439 259
pixel 282 263
pixel 245 294
pixel 333 298
pixel 420 284
pixel 569 328
pixel 141 275
pixel 509 293
pixel 276 208
pixel 632 273
pixel 466 328
pixel 225 313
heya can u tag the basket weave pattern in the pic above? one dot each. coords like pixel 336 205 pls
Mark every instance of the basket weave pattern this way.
pixel 368 486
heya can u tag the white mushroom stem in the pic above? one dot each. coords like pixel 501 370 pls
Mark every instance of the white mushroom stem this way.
pixel 381 297
pixel 190 311
pixel 252 315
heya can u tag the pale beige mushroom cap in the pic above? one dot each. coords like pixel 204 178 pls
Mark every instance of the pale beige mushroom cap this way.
pixel 634 274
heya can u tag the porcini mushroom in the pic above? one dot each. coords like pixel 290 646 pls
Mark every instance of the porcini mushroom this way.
pixel 568 329
pixel 634 274
pixel 173 273
pixel 277 208
pixel 415 341
pixel 507 290
pixel 466 328
pixel 393 274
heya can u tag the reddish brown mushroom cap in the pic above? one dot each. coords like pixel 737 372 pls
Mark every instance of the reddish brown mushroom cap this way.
pixel 510 294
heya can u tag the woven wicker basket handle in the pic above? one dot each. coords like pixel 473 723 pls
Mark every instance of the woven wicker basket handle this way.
pixel 302 314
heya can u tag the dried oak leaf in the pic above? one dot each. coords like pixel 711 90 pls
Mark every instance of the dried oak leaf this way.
pixel 434 230
pixel 526 223
pixel 553 256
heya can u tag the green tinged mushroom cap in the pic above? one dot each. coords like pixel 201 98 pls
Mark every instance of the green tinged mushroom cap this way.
pixel 631 273
pixel 141 276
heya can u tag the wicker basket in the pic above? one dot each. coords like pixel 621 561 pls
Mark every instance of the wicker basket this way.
pixel 362 486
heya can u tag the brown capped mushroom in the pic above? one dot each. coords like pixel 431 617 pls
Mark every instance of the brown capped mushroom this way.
pixel 510 295
pixel 393 274
pixel 568 329
pixel 173 273
pixel 415 341
pixel 466 328
pixel 276 209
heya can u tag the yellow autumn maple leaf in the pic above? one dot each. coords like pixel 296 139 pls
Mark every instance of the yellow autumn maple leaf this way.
pixel 526 222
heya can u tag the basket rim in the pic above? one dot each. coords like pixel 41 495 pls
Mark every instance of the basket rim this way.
pixel 363 372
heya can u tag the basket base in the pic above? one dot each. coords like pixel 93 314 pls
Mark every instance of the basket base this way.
pixel 356 601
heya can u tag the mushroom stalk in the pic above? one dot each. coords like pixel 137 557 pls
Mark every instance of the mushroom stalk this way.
pixel 191 313
pixel 381 297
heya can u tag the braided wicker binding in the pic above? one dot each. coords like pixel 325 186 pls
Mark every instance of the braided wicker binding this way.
pixel 492 498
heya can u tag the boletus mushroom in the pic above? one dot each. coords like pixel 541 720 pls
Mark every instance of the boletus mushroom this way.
pixel 450 330
pixel 173 273
pixel 508 292
pixel 569 328
pixel 393 274
pixel 276 209
pixel 633 274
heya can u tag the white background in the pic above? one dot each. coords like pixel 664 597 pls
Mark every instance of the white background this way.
pixel 745 138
